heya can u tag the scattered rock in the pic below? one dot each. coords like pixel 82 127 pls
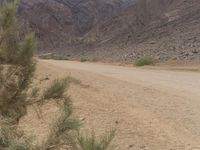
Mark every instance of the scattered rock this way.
pixel 195 51
pixel 46 78
pixel 130 146
pixel 143 147
pixel 82 119
pixel 116 122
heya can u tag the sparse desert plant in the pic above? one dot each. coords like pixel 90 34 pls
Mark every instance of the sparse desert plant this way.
pixel 59 134
pixel 7 132
pixel 16 62
pixel 34 92
pixel 146 60
pixel 12 139
pixel 21 144
pixel 83 60
pixel 94 60
pixel 91 143
pixel 56 89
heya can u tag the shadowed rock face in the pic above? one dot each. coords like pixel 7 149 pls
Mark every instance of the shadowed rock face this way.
pixel 65 21
pixel 120 30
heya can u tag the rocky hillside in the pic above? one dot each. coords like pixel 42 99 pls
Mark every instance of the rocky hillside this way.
pixel 119 30
pixel 164 29
pixel 61 23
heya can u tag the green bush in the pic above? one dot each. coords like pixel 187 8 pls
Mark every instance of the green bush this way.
pixel 146 60
pixel 56 89
pixel 59 134
pixel 34 92
pixel 94 60
pixel 13 139
pixel 90 142
pixel 16 62
pixel 20 144
pixel 83 60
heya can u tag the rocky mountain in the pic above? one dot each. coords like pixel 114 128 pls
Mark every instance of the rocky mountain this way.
pixel 164 29
pixel 119 30
pixel 60 23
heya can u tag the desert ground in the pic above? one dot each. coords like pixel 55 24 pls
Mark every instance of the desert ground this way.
pixel 151 108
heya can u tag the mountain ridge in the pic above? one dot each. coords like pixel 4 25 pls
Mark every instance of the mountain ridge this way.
pixel 116 30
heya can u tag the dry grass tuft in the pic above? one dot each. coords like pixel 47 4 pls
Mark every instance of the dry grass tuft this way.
pixel 56 89
pixel 146 60
pixel 90 142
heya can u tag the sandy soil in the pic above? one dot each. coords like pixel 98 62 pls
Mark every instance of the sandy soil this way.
pixel 151 109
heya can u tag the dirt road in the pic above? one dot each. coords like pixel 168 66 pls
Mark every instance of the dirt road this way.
pixel 151 109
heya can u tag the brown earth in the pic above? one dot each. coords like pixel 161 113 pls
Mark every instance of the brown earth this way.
pixel 151 109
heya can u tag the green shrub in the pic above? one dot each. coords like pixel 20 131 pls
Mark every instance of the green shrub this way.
pixel 13 139
pixel 146 60
pixel 34 92
pixel 16 62
pixel 59 134
pixel 83 60
pixel 20 144
pixel 94 60
pixel 56 89
pixel 90 142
